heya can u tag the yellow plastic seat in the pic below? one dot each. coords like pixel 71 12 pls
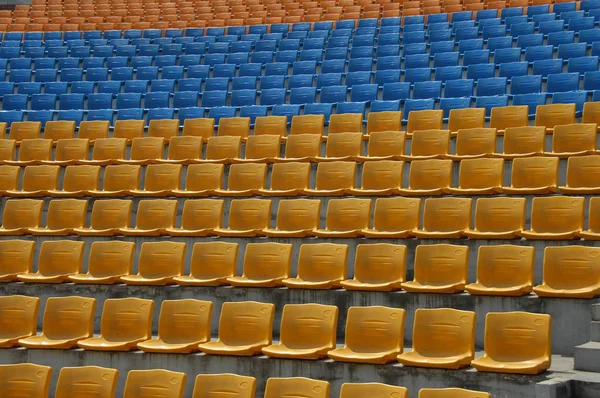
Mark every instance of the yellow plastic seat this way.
pixel 234 126
pixel 443 338
pixel 247 217
pixel 20 131
pixel 342 146
pixel 555 218
pixel 374 335
pixel 551 115
pixel 25 378
pixel 160 180
pixel 570 272
pixel 301 148
pixel 223 149
pixel 93 129
pixel 128 129
pixel 574 140
pixel 153 217
pixel 147 383
pixel 333 179
pixel 9 179
pixel 428 177
pixel 373 390
pixel 199 218
pixel 211 385
pixel 384 122
pixel 524 141
pixel 345 123
pixel 201 127
pixel 480 177
pixel 346 218
pixel 107 151
pixel 466 118
pixel 296 387
pixel 384 145
pixel 64 215
pixel 108 218
pixel 593 231
pixel 498 218
pixel 591 113
pixel 395 218
pixel 66 321
pixel 33 151
pixel 125 322
pixel 244 180
pixel 18 318
pixel 308 124
pixel 202 180
pixel 182 325
pixel 16 257
pixel 261 149
pixel 57 260
pixel 56 130
pixel 165 128
pixel 380 177
pixel 515 342
pixel 70 151
pixel 245 327
pixel 3 128
pixel 270 125
pixel 119 180
pixel 145 150
pixel 534 176
pixel 265 265
pixel 211 264
pixel 583 176
pixel 378 267
pixel 21 214
pixel 183 150
pixel 158 264
pixel 503 270
pixel 429 144
pixel 474 143
pixel 37 181
pixel 288 179
pixel 439 268
pixel 7 150
pixel 451 393
pixel 503 117
pixel 107 262
pixel 445 218
pixel 425 120
pixel 78 181
pixel 81 380
pixel 320 266
pixel 296 218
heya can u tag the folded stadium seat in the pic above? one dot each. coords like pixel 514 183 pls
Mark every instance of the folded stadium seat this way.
pixel 210 384
pixel 66 321
pixel 201 180
pixel 555 218
pixel 106 151
pixel 144 151
pixel 7 150
pixel 182 150
pixel 384 145
pixel 37 181
pixel 474 143
pixel 247 217
pixel 525 141
pixel 467 118
pixel 424 120
pixel 108 217
pixel 261 149
pixel 428 177
pixel 20 315
pixel 308 124
pixel 237 126
pixel 166 128
pixel 25 130
pixel 93 129
pixel 439 273
pixel 346 218
pixel 430 329
pixel 107 262
pixel 384 122
pixel 429 144
pixel 64 215
pixel 159 263
pixel 59 130
pixel 211 264
pixel 307 332
pixel 582 176
pixel 21 214
pixel 171 384
pixel 270 125
pixel 296 386
pixel 452 392
pixel 534 175
pixel 342 146
pixel 509 116
pixel 160 180
pixel 552 115
pixel 153 217
pixel 320 266
pixel 378 267
pixel 591 112
pixel 333 179
pixel 444 218
pixel 57 260
pixel 35 377
pixel 200 217
pixel 265 265
pixel 506 353
pixel 345 123
pixel 394 218
pixel 128 129
pixel 296 218
pixel 516 277
pixel 574 140
pixel 244 329
pixel 498 218
pixel 198 126
pixel 288 179
pixel 244 180
pixel 381 177
pixel 480 177
pixel 182 325
pixel 224 149
pixel 33 151
pixel 301 148
pixel 70 380
pixel 357 390
pixel 119 180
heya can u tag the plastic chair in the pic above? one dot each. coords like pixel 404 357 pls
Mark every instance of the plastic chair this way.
pixel 523 142
pixel 64 215
pixel 171 384
pixel 57 260
pixel 428 177
pixel 451 392
pixel 211 264
pixel 21 214
pixel 445 218
pixel 37 181
pixel 153 217
pixel 345 218
pixel 534 175
pixel 36 377
pixel 582 177
pixel 555 218
pixel 320 266
pixel 18 314
pixel 107 262
pixel 247 217
pixel 265 265
pixel 295 218
pixel 209 384
pixel 72 380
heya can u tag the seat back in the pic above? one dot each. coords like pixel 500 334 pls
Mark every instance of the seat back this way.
pixel 375 329
pixel 77 380
pixel 359 390
pixel 247 176
pixel 35 149
pixel 185 321
pixel 93 129
pixel 68 318
pixel 335 175
pixel 111 213
pixel 202 177
pixel 344 144
pixel 165 128
pixel 234 126
pixel 211 260
pixel 571 267
pixel 293 175
pixel 170 384
pixel 127 319
pixel 451 393
pixel 296 386
pixel 128 129
pixel 505 266
pixel 263 146
pixel 59 130
pixel 430 174
pixel 384 121
pixel 247 214
pixel 109 148
pixel 396 214
pixel 382 174
pixel 556 214
pixel 573 138
pixel 185 147
pixel 298 214
pixel 36 378
pixel 7 149
pixel 321 262
pixel 156 213
pixel 162 177
pixel 583 171
pixel 386 143
pixel 538 171
pixel 303 145
pixel 551 115
pixel 267 260
pixel 308 124
pixel 208 385
pixel 223 147
pixel 81 178
pixel 200 127
pixel 380 263
pixel 345 123
pixel 41 178
pixel 432 339
pixel 60 257
pixel 441 264
pixel 16 256
pixel 476 141
pixel 504 117
pixel 22 213
pixel 67 213
pixel 466 118
pixel 481 173
pixel 524 140
pixel 246 323
pixel 270 125
pixel 500 214
pixel 308 326
pixel 25 130
pixel 425 120
pixel 348 214
pixel 430 142
pixel 161 259
pixel 71 149
pixel 143 148
pixel 9 177
pixel 18 315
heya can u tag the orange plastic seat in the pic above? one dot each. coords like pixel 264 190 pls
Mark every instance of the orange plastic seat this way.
pixel 574 140
pixel 429 144
pixel 551 115
pixel 479 177
pixel 160 180
pixel 59 130
pixel 77 380
pixel 261 149
pixel 498 218
pixel 265 265
pixel 534 175
pixel 333 179
pixel 7 150
pixel 270 125
pixel 223 149
pixel 201 127
pixel 342 146
pixel 320 266
pixel 211 264
pixel 165 128
pixel 207 385
pixel 33 151
pixel 16 257
pixel 381 177
pixel 452 392
pixel 395 218
pixel 428 177
pixel 247 217
pixel 244 180
pixel 119 180
pixel 345 123
pixel 307 331
pixel 125 322
pixel 583 176
pixel 20 131
pixel 57 260
pixel 504 117
pixel 244 329
pixel 108 218
pixel 159 263
pixel 515 342
pixel 153 217
pixel 140 382
pixel 308 124
pixel 234 126
pixel 346 218
pixel 18 318
pixel 288 179
pixel 570 272
pixel 70 151
pixel 425 120
pixel 384 145
pixel 445 218
pixel 296 386
pixel 93 129
pixel 301 148
pixel 443 338
pixel 145 150
pixel 358 390
pixel 296 218
pixel 66 321
pixel 28 378
pixel 374 335
pixel 466 118
pixel 474 143
pixel 21 214
pixel 183 150
pixel 37 181
pixel 78 181
pixel 555 218
pixel 378 267
pixel 107 151
pixel 128 129
pixel 64 216
pixel 107 262
pixel 201 180
pixel 9 179
pixel 384 122
pixel 439 268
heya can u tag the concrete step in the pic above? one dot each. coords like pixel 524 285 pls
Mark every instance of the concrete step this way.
pixel 587 357
pixel 596 312
pixel 595 331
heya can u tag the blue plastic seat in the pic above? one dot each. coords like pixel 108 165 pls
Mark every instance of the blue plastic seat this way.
pixel 397 91
pixel 190 113
pixel 591 81
pixel 362 52
pixel 221 112
pixel 28 88
pixel 562 82
pixel 547 66
pixel 110 34
pixel 336 53
pixel 435 18
pixel 493 31
pixel 408 20
pixel 533 40
pixel 244 97
pixel 303 95
pixel 32 52
pixel 496 43
pixel 510 12
pixel 141 62
pixel 100 101
pixel 446 73
pixel 269 82
pixel 165 60
pixel 538 53
pixel 129 100
pixel 572 50
pixel 273 96
pixel 364 93
pixel 130 114
pixel 416 61
pixel 537 10
pixel 444 59
pixel 104 51
pixel 297 81
pixel 43 102
pixel 466 34
pixel 93 62
pixel 319 109
pixel 265 46
pixel 172 72
pixel 276 68
pixel 353 78
pixel 96 74
pixel 116 62
pixel 333 66
pixel 546 27
pixel 11 102
pixel 504 55
pixel 386 76
pixel 76 116
pixel 244 83
pixel 360 64
pixel 559 8
pixel 261 57
pixel 126 42
pixel 388 39
pixel 174 33
pixel 287 56
pixel 147 73
pixel 253 112
pixel 9 52
pixel 473 57
pixel 196 48
pixel 462 16
pixel 214 59
pixel 557 38
pixel 9 117
pixel 157 99
pixel 589 36
pixel 427 89
pixel 189 60
pixel 217 48
pixel 198 72
pixel 481 71
pixel 136 86
pixel 237 58
pixel 491 102
pixel 20 63
pixel 531 100
pixel 71 101
pixel 57 88
pixel 571 97
pixel 333 94
pixel 384 63
pixel 578 24
pixel 441 47
pixel 526 84
pixel 80 51
pixel 185 99
pixel 583 64
pixel 366 40
pixel 587 5
pixel 19 75
pixel 458 88
pixel 216 84
pixel 384 106
pixel 45 75
pixel 351 107
pixel 42 116
pixel 439 35
pixel 511 69
pixel 288 111
pixel 417 105
pixel 491 86
pixel 414 37
pixel 470 45
pixel 329 79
